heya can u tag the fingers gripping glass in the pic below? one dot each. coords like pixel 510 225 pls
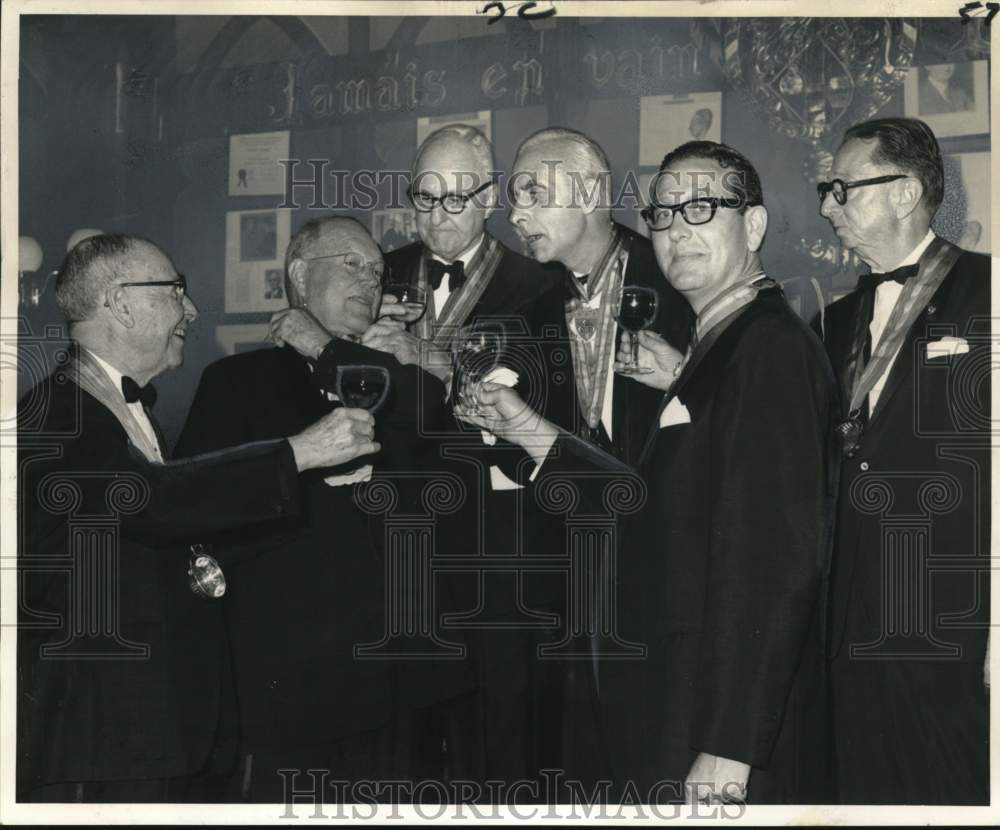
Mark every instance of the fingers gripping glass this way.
pixel 355 264
pixel 476 351
pixel 695 211
pixel 635 309
pixel 451 202
pixel 839 188
pixel 365 387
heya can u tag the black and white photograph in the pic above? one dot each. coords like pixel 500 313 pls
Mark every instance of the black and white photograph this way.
pixel 450 412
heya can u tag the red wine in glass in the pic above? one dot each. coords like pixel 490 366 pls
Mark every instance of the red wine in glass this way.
pixel 364 387
pixel 634 311
pixel 412 297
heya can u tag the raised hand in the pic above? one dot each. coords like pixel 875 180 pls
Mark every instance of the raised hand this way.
pixel 336 438
pixel 300 330
pixel 659 361
pixel 505 414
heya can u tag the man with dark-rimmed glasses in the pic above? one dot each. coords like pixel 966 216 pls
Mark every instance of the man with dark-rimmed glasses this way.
pixel 910 585
pixel 124 692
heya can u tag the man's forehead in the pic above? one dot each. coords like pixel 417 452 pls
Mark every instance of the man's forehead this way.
pixel 854 156
pixel 448 157
pixel 146 260
pixel 539 164
pixel 691 178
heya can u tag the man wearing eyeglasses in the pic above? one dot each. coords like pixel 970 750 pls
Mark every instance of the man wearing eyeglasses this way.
pixel 472 277
pixel 720 571
pixel 908 635
pixel 124 692
pixel 317 589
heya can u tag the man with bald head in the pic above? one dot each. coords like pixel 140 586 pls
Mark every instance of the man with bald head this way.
pixel 122 691
pixel 306 701
pixel 471 277
pixel 470 274
pixel 560 195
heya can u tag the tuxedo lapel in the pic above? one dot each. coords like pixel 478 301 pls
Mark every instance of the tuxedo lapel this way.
pixel 903 365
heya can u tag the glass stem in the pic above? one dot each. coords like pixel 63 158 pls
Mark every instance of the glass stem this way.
pixel 634 362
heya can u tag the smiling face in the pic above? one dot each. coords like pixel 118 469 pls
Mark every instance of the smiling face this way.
pixel 159 314
pixel 701 261
pixel 449 167
pixel 344 303
pixel 867 222
pixel 547 210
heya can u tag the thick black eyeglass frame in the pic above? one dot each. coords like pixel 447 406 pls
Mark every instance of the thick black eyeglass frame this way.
pixel 839 188
pixel 435 200
pixel 715 202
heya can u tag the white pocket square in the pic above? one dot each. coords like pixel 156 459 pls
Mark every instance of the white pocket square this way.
pixel 946 347
pixel 675 413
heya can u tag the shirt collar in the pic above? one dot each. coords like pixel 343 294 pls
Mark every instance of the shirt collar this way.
pixel 466 256
pixel 914 256
pixel 110 371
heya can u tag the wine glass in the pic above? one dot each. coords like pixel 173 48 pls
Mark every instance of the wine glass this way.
pixel 365 387
pixel 634 310
pixel 476 351
pixel 412 298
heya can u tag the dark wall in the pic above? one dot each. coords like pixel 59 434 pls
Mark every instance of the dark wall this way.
pixel 125 123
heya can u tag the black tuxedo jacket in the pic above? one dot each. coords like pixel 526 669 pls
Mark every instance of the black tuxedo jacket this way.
pixel 719 573
pixel 316 587
pixel 633 404
pixel 147 705
pixel 922 472
pixel 516 281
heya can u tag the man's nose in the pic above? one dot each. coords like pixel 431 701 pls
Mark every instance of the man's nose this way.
pixel 828 205
pixel 679 228
pixel 190 309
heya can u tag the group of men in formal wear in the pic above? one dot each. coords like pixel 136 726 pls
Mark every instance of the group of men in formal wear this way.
pixel 791 606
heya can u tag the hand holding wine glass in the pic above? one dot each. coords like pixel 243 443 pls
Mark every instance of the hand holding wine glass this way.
pixel 403 300
pixel 635 309
pixel 659 363
pixel 476 352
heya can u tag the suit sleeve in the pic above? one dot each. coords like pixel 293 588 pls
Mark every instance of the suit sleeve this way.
pixel 159 504
pixel 770 501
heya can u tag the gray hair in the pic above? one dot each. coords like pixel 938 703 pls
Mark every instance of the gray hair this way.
pixel 90 268
pixel 308 235
pixel 581 156
pixel 471 137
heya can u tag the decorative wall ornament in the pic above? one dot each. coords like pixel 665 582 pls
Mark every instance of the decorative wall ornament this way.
pixel 814 76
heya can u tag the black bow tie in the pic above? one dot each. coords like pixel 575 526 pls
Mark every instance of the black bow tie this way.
pixel 455 271
pixel 869 282
pixel 133 392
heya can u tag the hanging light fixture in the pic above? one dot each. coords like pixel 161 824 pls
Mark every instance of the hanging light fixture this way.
pixel 29 260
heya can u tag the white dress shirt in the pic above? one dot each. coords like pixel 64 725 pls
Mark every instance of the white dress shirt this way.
pixel 443 291
pixel 886 296
pixel 137 409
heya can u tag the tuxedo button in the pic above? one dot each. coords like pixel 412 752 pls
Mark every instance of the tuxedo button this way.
pixel 864 466
pixel 273 684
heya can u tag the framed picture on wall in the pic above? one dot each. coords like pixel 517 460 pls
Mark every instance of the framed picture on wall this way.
pixel 255 259
pixel 482 120
pixel 953 98
pixel 254 168
pixel 394 228
pixel 666 121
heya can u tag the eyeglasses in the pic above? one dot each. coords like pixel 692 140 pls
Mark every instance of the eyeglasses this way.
pixel 355 264
pixel 179 285
pixel 839 188
pixel 451 202
pixel 695 211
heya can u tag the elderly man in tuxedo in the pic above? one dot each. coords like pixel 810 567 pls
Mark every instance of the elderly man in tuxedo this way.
pixel 124 691
pixel 308 698
pixel 720 572
pixel 505 730
pixel 910 595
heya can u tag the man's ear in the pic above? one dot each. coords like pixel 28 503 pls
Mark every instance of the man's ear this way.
pixel 592 195
pixel 755 223
pixel 116 299
pixel 906 196
pixel 297 269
